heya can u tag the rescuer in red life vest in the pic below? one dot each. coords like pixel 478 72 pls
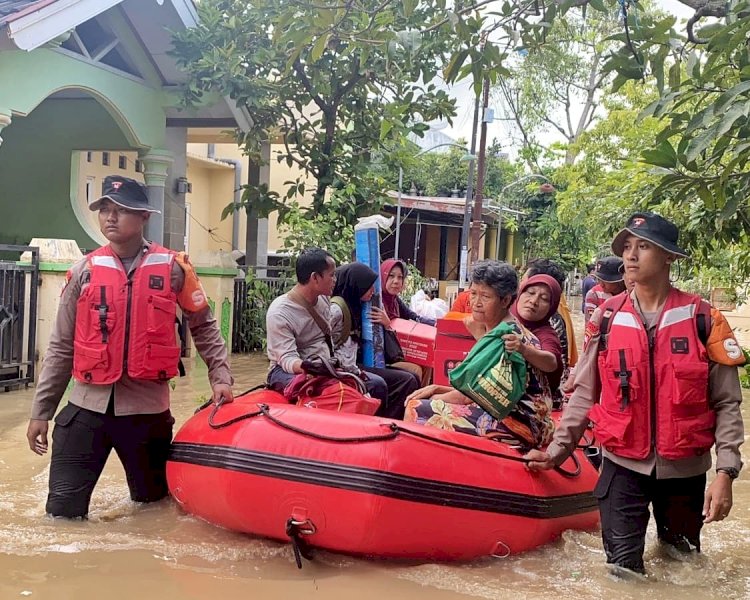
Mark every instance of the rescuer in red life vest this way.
pixel 662 365
pixel 115 332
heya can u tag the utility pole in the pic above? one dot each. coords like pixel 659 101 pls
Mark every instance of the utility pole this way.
pixel 463 278
pixel 464 264
pixel 476 220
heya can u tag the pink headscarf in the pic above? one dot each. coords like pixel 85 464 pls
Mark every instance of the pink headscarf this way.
pixel 554 300
pixel 390 302
pixel 542 329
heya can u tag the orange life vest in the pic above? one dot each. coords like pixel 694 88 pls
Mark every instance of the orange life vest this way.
pixel 654 393
pixel 127 324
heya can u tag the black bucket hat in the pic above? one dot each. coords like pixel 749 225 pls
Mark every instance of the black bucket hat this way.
pixel 124 192
pixel 609 269
pixel 652 228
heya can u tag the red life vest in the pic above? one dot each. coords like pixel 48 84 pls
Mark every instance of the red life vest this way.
pixel 654 395
pixel 595 297
pixel 127 324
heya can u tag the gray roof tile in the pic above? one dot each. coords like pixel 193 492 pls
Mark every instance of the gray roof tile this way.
pixel 8 7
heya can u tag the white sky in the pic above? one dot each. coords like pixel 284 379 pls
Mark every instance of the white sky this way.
pixel 464 94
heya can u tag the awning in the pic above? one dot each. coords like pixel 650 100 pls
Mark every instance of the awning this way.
pixel 437 210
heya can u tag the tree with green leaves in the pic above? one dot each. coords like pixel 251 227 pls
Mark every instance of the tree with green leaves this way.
pixel 557 86
pixel 701 150
pixel 444 173
pixel 612 180
pixel 333 82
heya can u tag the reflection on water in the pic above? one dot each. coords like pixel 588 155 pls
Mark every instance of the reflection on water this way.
pixel 155 551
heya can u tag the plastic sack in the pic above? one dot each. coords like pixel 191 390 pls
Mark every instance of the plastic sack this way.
pixel 493 378
pixel 373 221
pixel 425 307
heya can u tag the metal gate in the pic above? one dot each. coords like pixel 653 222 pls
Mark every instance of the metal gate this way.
pixel 19 283
pixel 252 297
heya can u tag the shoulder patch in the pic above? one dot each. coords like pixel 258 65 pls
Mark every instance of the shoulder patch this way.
pixel 591 330
pixel 192 298
pixel 722 346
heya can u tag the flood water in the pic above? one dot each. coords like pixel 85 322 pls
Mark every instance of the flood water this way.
pixel 126 551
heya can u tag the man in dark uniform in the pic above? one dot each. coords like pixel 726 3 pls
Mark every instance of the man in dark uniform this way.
pixel 115 332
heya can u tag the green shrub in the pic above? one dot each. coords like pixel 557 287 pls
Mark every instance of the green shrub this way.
pixel 745 371
pixel 415 281
pixel 260 294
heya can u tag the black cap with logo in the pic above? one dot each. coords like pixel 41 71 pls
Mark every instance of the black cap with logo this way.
pixel 608 269
pixel 125 192
pixel 652 228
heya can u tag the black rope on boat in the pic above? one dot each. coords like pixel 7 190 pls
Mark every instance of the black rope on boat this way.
pixel 395 430
pixel 208 402
pixel 393 433
pixel 462 447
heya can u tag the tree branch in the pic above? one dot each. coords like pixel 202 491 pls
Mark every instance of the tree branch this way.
pixel 307 84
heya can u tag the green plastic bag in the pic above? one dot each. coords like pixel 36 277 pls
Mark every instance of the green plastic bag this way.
pixel 490 376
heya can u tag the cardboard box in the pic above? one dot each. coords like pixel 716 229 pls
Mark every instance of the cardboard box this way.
pixel 452 343
pixel 417 341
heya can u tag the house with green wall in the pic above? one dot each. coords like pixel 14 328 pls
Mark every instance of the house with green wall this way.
pixel 94 76
pixel 91 82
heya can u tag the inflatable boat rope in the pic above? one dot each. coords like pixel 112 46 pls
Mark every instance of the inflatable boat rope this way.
pixel 395 431
pixel 297 529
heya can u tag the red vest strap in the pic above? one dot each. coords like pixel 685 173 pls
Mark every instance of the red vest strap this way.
pixel 609 309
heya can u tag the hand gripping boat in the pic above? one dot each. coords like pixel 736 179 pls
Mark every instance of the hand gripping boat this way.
pixel 369 486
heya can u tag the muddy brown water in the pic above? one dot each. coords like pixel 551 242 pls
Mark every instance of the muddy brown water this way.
pixel 127 551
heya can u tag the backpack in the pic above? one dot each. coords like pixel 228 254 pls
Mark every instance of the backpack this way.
pixel 324 386
pixel 346 328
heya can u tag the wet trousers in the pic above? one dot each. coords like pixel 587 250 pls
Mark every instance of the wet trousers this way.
pixel 624 498
pixel 81 443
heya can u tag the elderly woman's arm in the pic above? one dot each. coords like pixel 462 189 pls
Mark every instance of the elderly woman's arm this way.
pixel 440 392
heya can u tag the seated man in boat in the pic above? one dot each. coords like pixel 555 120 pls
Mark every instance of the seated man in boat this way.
pixel 528 424
pixel 298 323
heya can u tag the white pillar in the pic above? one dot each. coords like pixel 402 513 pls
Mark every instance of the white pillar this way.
pixel 5 120
pixel 155 165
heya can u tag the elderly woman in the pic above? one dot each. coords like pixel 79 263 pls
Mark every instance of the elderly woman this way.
pixel 528 425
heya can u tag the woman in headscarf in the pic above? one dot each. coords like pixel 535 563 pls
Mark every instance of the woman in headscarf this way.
pixel 528 425
pixel 355 284
pixel 392 276
pixel 538 301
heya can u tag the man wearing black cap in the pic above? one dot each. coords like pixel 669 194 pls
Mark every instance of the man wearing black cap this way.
pixel 609 275
pixel 658 378
pixel 115 332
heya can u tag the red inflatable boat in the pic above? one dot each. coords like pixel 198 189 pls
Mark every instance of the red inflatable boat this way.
pixel 369 486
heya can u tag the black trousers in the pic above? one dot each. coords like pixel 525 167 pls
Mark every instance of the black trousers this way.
pixel 624 497
pixel 81 442
pixel 399 385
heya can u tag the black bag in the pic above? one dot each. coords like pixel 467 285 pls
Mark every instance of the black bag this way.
pixel 391 348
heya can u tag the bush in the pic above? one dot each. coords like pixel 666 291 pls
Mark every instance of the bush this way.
pixel 745 371
pixel 259 295
pixel 415 281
